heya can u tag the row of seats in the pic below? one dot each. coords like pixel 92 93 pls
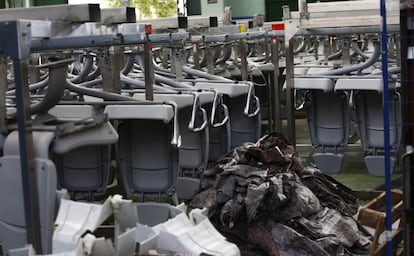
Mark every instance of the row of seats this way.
pixel 331 105
pixel 149 144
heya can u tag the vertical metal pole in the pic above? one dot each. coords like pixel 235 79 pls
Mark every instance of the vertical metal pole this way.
pixel 178 63
pixel 387 153
pixel 30 194
pixel 270 96
pixel 277 125
pixel 106 67
pixel 346 57
pixel 149 72
pixel 210 60
pixel 164 53
pixel 117 61
pixel 3 90
pixel 267 49
pixel 196 56
pixel 290 101
pixel 34 74
pixel 326 51
pixel 316 52
pixel 235 54
pixel 243 60
pixel 398 49
pixel 391 48
pixel 111 66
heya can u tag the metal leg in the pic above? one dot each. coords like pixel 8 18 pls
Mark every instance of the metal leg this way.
pixel 149 73
pixel 290 102
pixel 276 100
pixel 3 89
pixel 243 60
pixel 26 156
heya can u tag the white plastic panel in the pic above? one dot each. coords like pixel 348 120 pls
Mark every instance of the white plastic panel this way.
pixel 372 84
pixel 153 112
pixel 230 89
pixel 74 219
pixel 182 100
pixel 308 83
pixel 75 112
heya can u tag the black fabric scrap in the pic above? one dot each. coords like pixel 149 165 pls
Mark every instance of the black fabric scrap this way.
pixel 261 198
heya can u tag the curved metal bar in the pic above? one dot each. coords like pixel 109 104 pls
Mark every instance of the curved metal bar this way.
pixel 345 70
pixel 162 79
pixel 141 84
pixel 171 82
pixel 78 88
pixel 95 73
pixel 301 47
pixel 32 87
pixel 167 74
pixel 202 74
pixel 91 83
pixel 203 60
pixel 194 72
pixel 218 101
pixel 197 107
pixel 55 86
pixel 335 55
pixel 250 96
pixel 87 68
pixel 217 49
pixel 129 64
pixel 226 54
pixel 176 139
pixel 358 51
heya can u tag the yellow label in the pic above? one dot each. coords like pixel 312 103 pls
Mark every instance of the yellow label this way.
pixel 242 28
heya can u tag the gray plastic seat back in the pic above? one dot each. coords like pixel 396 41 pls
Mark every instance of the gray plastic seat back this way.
pixel 243 128
pixel 84 170
pixel 219 141
pixel 82 159
pixel 149 162
pixel 12 216
pixel 152 214
pixel 219 130
pixel 192 152
pixel 327 114
pixel 328 118
pixel 369 111
pixel 187 187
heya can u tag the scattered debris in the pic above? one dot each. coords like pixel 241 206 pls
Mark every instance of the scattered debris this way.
pixel 261 197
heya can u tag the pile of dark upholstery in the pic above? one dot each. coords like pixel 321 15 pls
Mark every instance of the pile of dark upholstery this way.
pixel 261 198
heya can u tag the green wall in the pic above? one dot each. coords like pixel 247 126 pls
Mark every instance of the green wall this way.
pixel 274 8
pixel 212 8
pixel 49 2
pixel 193 7
pixel 247 8
pixel 240 8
